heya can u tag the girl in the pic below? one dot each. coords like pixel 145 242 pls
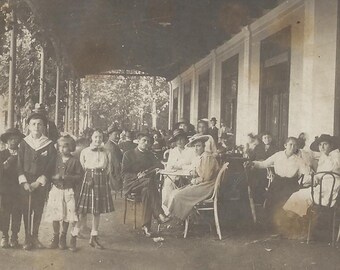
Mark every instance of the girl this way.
pixel 95 193
pixel 61 205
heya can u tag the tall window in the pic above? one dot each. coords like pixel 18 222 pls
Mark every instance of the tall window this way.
pixel 175 106
pixel 203 94
pixel 274 86
pixel 229 87
pixel 186 100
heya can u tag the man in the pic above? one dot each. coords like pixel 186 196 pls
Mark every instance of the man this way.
pixel 188 128
pixel 116 158
pixel 204 172
pixel 138 172
pixel 36 163
pixel 128 144
pixel 9 188
pixel 213 130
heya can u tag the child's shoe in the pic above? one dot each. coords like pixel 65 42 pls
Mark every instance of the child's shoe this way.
pixel 73 243
pixel 14 241
pixel 62 241
pixel 95 243
pixel 54 242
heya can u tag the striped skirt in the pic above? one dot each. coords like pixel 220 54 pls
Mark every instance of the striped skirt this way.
pixel 95 194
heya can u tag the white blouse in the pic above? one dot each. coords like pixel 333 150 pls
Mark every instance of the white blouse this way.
pixel 91 158
pixel 284 166
pixel 179 158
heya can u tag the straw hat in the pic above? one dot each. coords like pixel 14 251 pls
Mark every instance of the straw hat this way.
pixel 11 132
pixel 195 139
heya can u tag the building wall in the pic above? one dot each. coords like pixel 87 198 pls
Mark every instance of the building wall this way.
pixel 313 27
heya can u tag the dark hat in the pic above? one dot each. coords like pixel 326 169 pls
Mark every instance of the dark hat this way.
pixel 10 132
pixel 176 134
pixel 213 119
pixel 323 138
pixel 182 121
pixel 195 139
pixel 39 108
pixel 37 116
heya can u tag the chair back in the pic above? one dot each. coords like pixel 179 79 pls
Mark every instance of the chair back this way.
pixel 270 175
pixel 333 179
pixel 219 178
pixel 166 155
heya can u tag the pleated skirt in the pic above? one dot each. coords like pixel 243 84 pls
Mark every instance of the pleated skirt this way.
pixel 95 194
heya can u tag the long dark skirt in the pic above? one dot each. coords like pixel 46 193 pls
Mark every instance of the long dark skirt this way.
pixel 95 194
pixel 278 193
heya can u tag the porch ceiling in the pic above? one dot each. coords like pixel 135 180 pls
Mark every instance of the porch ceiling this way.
pixel 159 37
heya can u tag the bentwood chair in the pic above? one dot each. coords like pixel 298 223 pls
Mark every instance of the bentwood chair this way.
pixel 210 204
pixel 328 210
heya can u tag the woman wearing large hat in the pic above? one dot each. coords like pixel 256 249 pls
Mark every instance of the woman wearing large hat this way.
pixel 330 162
pixel 204 171
pixel 179 158
pixel 9 188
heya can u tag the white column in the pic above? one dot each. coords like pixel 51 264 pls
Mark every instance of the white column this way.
pixel 194 98
pixel 215 92
pixel 42 75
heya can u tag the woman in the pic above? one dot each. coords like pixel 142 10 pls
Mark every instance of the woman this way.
pixel 179 158
pixel 289 167
pixel 204 171
pixel 329 161
pixel 95 195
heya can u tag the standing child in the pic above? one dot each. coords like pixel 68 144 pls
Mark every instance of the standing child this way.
pixel 61 205
pixel 9 188
pixel 36 163
pixel 95 194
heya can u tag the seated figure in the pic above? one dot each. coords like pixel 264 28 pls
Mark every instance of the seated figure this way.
pixel 289 166
pixel 204 171
pixel 138 172
pixel 329 161
pixel 179 159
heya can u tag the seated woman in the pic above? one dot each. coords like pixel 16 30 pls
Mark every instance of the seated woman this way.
pixel 204 171
pixel 329 161
pixel 179 159
pixel 289 166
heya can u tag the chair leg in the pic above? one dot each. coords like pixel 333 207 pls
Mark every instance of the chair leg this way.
pixel 338 238
pixel 186 227
pixel 309 227
pixel 158 228
pixel 125 209
pixel 333 229
pixel 217 222
pixel 135 214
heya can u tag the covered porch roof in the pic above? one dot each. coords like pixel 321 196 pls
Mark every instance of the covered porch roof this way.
pixel 158 37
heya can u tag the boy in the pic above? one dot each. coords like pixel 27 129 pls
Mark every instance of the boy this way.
pixel 9 188
pixel 36 163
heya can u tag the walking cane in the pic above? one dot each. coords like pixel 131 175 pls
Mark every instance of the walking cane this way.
pixel 250 195
pixel 29 217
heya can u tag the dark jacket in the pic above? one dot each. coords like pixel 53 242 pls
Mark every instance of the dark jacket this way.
pixel 9 183
pixel 116 160
pixel 135 161
pixel 260 153
pixel 213 132
pixel 33 164
pixel 127 146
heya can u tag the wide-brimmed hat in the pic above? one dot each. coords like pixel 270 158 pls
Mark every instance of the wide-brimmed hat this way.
pixel 176 134
pixel 195 139
pixel 37 116
pixel 213 119
pixel 11 132
pixel 323 138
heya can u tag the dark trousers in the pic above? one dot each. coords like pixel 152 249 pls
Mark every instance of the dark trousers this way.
pixel 151 201
pixel 10 214
pixel 38 197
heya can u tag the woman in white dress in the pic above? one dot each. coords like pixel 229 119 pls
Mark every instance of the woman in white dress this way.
pixel 179 158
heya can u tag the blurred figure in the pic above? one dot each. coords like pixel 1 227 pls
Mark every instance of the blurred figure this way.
pixel 203 129
pixel 223 130
pixel 252 141
pixel 128 144
pixel 213 130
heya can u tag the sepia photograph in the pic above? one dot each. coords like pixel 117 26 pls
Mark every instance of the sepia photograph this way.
pixel 169 134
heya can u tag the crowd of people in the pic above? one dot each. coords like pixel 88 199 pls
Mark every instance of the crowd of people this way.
pixel 75 178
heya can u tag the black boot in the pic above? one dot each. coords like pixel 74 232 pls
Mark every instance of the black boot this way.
pixel 54 242
pixel 62 241
pixel 14 241
pixel 95 243
pixel 73 243
pixel 37 244
pixel 28 243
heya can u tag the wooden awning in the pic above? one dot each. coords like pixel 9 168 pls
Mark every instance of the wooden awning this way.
pixel 158 37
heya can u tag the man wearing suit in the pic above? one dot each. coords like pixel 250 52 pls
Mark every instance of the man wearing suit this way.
pixel 213 130
pixel 116 159
pixel 138 172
